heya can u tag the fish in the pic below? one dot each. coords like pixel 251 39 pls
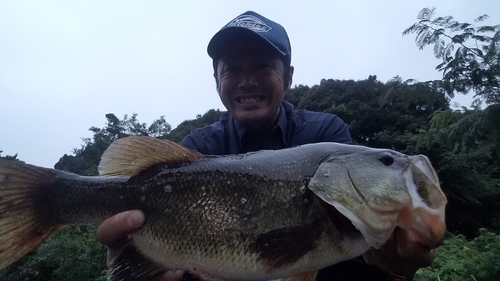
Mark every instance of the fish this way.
pixel 265 215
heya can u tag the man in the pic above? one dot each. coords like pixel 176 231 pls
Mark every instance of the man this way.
pixel 251 58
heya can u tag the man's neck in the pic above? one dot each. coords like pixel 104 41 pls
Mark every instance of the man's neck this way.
pixel 264 128
pixel 261 131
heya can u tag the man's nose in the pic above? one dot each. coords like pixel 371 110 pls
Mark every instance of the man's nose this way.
pixel 247 80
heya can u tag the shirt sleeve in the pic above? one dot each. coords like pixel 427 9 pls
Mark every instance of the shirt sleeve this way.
pixel 335 130
pixel 196 142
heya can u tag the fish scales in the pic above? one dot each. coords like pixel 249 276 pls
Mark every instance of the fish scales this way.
pixel 256 216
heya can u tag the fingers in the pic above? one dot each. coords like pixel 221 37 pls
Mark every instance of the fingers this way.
pixel 115 231
pixel 402 254
pixel 169 276
pixel 408 247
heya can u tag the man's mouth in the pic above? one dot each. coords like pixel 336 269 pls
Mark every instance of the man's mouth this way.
pixel 249 100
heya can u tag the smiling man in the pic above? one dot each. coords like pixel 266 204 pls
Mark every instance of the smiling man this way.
pixel 251 58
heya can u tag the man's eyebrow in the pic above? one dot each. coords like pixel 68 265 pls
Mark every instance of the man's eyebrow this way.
pixel 238 56
pixel 227 58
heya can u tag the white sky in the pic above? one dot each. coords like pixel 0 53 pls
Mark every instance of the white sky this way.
pixel 65 64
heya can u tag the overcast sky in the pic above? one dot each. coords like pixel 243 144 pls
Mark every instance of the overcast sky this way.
pixel 65 64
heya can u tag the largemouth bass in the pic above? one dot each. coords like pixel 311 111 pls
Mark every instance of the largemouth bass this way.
pixel 256 216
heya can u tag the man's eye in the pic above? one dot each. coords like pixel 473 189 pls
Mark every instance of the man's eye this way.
pixel 262 65
pixel 230 69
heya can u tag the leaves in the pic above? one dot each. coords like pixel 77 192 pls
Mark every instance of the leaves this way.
pixel 9 157
pixel 71 254
pixel 86 159
pixel 459 258
pixel 475 65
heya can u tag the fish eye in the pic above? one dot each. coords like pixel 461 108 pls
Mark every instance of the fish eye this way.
pixel 387 160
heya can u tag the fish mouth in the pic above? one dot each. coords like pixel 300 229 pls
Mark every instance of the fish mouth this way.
pixel 349 223
pixel 344 226
pixel 250 99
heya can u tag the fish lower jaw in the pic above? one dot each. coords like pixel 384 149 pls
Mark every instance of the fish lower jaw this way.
pixel 377 240
pixel 374 236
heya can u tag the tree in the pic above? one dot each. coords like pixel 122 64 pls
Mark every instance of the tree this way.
pixel 464 146
pixel 378 114
pixel 71 254
pixel 189 125
pixel 9 157
pixel 470 58
pixel 86 159
pixel 461 259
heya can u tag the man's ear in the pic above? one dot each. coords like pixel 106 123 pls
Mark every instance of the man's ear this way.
pixel 215 64
pixel 216 81
pixel 290 78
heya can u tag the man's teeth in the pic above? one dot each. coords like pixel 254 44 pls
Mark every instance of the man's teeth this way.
pixel 250 99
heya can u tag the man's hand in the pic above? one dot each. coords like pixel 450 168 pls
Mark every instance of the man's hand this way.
pixel 402 254
pixel 115 231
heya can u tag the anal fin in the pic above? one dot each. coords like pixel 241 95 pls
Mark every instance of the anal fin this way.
pixel 131 265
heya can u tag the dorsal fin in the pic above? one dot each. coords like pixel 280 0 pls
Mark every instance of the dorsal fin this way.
pixel 131 155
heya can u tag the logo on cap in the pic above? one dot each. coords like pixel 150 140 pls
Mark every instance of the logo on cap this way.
pixel 250 22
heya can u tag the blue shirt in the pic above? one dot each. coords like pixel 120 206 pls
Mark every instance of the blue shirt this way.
pixel 294 127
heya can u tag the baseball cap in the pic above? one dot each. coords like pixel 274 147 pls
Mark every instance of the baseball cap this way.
pixel 252 25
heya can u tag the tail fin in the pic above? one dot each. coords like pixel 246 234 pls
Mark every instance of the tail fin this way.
pixel 21 229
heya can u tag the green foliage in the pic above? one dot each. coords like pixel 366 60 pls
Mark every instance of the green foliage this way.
pixel 187 126
pixel 71 254
pixel 86 159
pixel 295 95
pixel 470 58
pixel 377 114
pixel 9 157
pixel 466 130
pixel 463 146
pixel 459 259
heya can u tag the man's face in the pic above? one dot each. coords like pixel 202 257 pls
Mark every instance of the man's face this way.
pixel 251 83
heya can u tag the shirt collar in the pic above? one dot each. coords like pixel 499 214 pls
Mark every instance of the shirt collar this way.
pixel 281 125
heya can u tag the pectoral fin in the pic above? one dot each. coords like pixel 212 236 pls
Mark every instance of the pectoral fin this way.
pixel 284 246
pixel 131 265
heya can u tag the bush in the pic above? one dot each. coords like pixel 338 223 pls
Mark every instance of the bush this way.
pixel 458 259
